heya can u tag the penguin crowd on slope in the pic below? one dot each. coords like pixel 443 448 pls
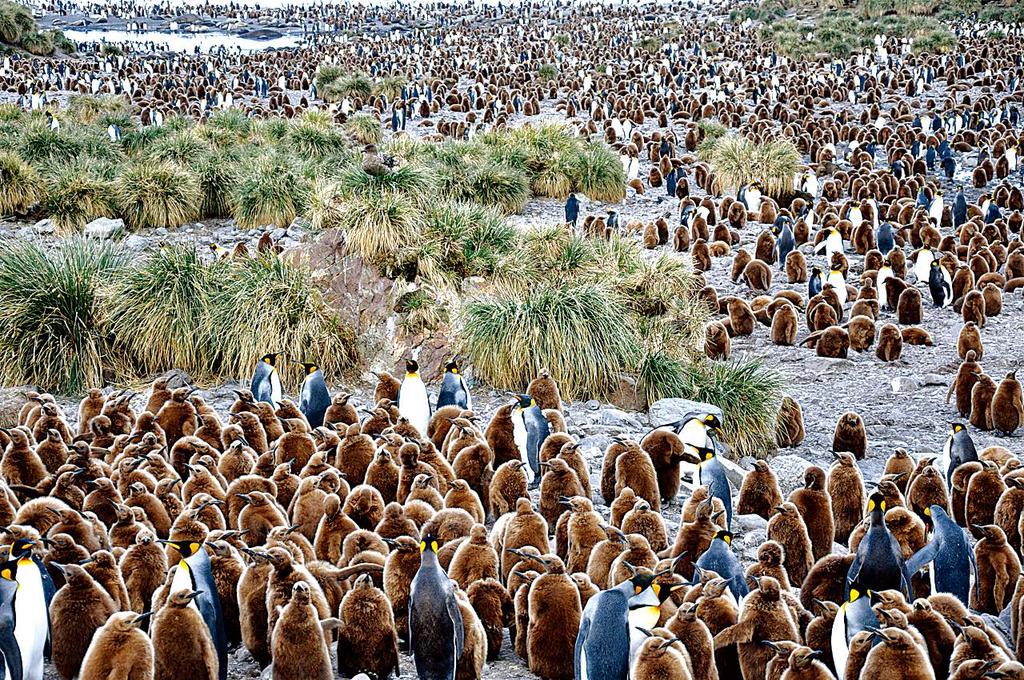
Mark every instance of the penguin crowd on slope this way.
pixel 155 535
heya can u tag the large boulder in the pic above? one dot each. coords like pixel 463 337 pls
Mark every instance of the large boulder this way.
pixel 11 401
pixel 790 471
pixel 104 228
pixel 670 410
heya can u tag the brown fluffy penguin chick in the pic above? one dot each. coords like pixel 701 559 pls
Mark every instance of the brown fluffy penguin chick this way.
pixel 555 611
pixel 143 565
pixel 984 490
pixel 717 343
pixel 603 554
pixel 850 435
pixel 460 495
pixel 20 464
pixel 474 651
pixel 804 665
pixel 641 519
pixel 297 642
pixel 474 559
pixel 779 663
pixel 982 394
pixel 846 489
pixel 938 635
pixel 119 649
pixel 1008 405
pixel 814 504
pixel 260 514
pixel 507 486
pixel 765 616
pixel 182 647
pixel 178 417
pixel 558 483
pixel 759 493
pixel 544 391
pixel 387 387
pixel 354 454
pixel 400 567
pixel 998 570
pixel 896 656
pixel 963 383
pixel 494 608
pixel 890 343
pixel 341 411
pixel 665 449
pixel 969 340
pixel 784 325
pixel 659 657
pixel 788 529
pixel 770 559
pixel 367 640
pixel 76 613
pixel 697 639
pixel 633 468
pixel 819 631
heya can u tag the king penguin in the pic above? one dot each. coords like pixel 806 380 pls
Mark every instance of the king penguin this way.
pixel 831 244
pixel 31 608
pixel 885 237
pixel 695 428
pixel 720 559
pixel 412 398
pixel 529 430
pixel 814 283
pixel 195 572
pixel 959 449
pixel 940 284
pixel 436 635
pixel 711 473
pixel 878 564
pixel 266 381
pixel 9 647
pixel 313 397
pixel 454 391
pixel 602 647
pixel 838 282
pixel 785 242
pixel 854 616
pixel 948 556
pixel 923 264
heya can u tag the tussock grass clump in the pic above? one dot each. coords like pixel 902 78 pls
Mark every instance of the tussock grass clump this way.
pixel 182 147
pixel 579 332
pixel 20 185
pixel 40 144
pixel 481 232
pixel 89 108
pixel 265 302
pixel 37 43
pixel 380 227
pixel 158 195
pixel 310 141
pixel 271 192
pixel 364 128
pixel 410 180
pixel 737 161
pixel 217 173
pixel 327 74
pixel 599 174
pixel 76 195
pixel 160 312
pixel 389 86
pixel 16 22
pixel 51 333
pixel 499 186
pixel 355 84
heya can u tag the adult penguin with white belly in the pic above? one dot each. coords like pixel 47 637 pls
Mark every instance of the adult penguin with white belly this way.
pixel 31 607
pixel 195 573
pixel 940 284
pixel 412 398
pixel 266 381
pixel 9 647
pixel 923 264
pixel 529 430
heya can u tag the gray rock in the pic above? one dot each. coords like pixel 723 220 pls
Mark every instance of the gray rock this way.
pixel 750 532
pixel 789 469
pixel 43 226
pixel 670 410
pixel 904 384
pixel 11 401
pixel 104 228
pixel 595 443
pixel 135 243
pixel 617 418
pixel 592 405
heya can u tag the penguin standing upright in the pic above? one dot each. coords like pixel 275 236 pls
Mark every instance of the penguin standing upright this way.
pixel 454 391
pixel 785 242
pixel 940 284
pixel 31 608
pixel 814 283
pixel 195 573
pixel 711 473
pixel 572 209
pixel 314 399
pixel 885 238
pixel 412 398
pixel 9 646
pixel 529 430
pixel 831 244
pixel 854 616
pixel 878 564
pixel 959 449
pixel 266 381
pixel 602 645
pixel 720 559
pixel 948 556
pixel 923 264
pixel 838 283
pixel 436 633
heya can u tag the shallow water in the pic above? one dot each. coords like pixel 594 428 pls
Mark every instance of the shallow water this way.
pixel 182 42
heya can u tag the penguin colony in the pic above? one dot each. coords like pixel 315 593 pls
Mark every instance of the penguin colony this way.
pixel 152 535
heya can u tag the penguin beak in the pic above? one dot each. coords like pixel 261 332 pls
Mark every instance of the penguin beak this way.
pixel 142 618
pixel 59 567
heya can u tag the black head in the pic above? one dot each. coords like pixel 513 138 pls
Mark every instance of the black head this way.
pixel 9 570
pixel 308 368
pixel 186 548
pixel 452 366
pixel 876 502
pixel 271 359
pixel 525 401
pixel 412 366
pixel 725 536
pixel 429 542
pixel 21 548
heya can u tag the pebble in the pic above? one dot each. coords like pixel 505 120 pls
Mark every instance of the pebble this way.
pixel 903 384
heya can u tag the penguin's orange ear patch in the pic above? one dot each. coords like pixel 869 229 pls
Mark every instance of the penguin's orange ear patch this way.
pixel 423 546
